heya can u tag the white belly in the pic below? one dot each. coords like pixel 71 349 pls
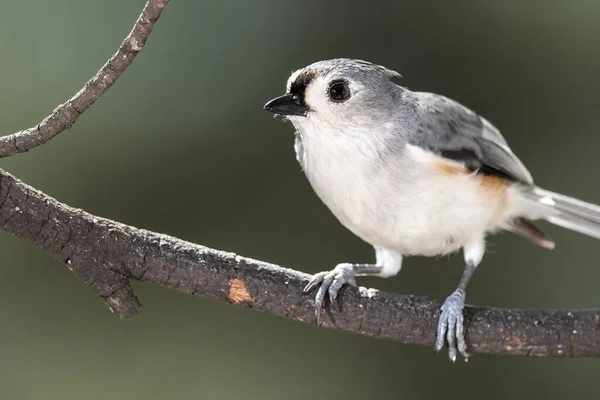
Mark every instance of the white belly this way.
pixel 415 204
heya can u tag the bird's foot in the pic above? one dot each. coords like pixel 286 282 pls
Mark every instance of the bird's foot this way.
pixel 450 326
pixel 330 282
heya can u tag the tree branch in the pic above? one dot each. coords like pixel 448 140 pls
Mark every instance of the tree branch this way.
pixel 65 115
pixel 107 254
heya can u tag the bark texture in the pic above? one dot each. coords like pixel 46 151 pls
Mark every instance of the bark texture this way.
pixel 65 115
pixel 106 254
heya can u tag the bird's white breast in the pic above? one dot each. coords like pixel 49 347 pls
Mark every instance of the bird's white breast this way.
pixel 411 200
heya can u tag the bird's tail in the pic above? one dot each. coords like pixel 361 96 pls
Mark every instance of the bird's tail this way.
pixel 562 210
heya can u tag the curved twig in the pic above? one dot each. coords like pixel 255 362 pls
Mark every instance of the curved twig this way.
pixel 65 115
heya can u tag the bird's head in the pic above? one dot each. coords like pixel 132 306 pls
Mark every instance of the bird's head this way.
pixel 338 95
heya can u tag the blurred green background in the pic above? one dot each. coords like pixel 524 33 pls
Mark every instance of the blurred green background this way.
pixel 181 145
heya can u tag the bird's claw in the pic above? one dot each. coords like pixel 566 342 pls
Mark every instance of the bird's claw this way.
pixel 330 282
pixel 450 326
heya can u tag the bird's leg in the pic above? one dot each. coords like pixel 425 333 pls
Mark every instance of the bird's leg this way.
pixel 451 322
pixel 332 281
pixel 388 264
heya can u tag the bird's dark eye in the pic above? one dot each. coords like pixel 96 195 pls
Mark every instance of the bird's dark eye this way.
pixel 339 91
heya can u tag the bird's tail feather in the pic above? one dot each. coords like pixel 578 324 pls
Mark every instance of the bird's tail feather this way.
pixel 564 211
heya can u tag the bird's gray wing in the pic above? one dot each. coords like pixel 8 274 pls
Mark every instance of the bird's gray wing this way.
pixel 451 130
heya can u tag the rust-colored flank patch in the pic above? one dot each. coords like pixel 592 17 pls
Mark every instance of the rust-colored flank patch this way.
pixel 492 182
pixel 450 168
pixel 238 292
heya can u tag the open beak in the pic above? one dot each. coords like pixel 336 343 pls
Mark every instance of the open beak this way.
pixel 288 104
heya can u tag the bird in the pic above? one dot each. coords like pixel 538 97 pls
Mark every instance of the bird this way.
pixel 412 173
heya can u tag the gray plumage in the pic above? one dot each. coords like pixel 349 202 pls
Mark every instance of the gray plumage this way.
pixel 413 173
pixel 454 131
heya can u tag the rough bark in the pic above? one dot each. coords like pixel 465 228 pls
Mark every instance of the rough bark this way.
pixel 106 254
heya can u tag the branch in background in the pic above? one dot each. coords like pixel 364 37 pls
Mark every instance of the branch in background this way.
pixel 65 115
pixel 106 254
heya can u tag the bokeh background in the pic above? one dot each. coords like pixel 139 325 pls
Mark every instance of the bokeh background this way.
pixel 181 145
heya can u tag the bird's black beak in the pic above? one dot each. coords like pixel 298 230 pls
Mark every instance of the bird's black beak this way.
pixel 288 104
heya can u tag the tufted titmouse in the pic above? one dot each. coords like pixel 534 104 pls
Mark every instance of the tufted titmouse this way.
pixel 413 173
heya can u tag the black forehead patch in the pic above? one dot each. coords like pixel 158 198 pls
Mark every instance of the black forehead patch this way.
pixel 298 87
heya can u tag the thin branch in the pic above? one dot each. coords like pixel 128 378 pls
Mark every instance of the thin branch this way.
pixel 107 254
pixel 65 115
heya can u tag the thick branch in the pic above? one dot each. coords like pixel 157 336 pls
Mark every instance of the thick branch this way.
pixel 65 115
pixel 106 254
